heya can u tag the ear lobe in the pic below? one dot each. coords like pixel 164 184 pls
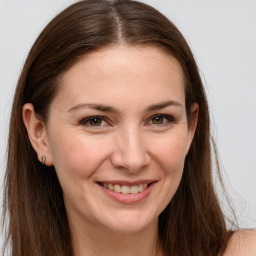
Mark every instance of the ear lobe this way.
pixel 194 110
pixel 37 133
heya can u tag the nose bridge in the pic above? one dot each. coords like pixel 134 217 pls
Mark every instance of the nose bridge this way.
pixel 131 151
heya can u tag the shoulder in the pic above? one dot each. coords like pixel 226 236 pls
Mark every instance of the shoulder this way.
pixel 241 243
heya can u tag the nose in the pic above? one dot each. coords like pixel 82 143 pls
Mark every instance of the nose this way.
pixel 130 152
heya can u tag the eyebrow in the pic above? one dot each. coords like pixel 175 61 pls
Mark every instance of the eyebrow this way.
pixel 110 109
pixel 99 107
pixel 164 105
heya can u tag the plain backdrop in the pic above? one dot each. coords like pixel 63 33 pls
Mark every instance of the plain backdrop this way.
pixel 222 35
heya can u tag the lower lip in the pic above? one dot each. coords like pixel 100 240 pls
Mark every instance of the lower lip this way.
pixel 128 198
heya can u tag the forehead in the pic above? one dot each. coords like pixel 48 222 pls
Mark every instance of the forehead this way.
pixel 141 57
pixel 121 71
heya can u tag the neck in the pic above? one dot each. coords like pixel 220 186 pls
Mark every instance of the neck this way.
pixel 89 240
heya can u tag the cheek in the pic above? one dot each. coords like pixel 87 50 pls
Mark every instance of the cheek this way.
pixel 77 155
pixel 170 156
pixel 170 153
pixel 172 162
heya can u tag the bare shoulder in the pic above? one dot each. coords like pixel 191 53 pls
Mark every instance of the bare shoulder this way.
pixel 242 243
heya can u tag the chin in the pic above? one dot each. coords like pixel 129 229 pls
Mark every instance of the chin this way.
pixel 131 223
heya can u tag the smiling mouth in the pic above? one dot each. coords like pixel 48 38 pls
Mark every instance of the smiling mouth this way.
pixel 124 189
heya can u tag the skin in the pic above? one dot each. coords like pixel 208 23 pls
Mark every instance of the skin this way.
pixel 130 143
pixel 242 243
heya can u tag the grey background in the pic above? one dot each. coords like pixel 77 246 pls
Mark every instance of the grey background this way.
pixel 222 35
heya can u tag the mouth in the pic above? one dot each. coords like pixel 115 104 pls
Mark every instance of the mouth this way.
pixel 126 192
pixel 125 188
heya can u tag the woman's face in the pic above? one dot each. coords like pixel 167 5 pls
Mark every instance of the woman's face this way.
pixel 118 136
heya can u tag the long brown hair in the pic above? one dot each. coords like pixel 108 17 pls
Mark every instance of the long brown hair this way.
pixel 192 223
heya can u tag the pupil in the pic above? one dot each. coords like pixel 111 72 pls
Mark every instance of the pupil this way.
pixel 158 120
pixel 95 122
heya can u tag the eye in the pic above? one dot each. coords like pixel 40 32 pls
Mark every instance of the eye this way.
pixel 158 120
pixel 94 121
pixel 161 119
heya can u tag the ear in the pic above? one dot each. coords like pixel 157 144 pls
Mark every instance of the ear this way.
pixel 37 133
pixel 192 123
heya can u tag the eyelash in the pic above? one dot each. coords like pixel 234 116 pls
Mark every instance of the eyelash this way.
pixel 168 120
pixel 86 121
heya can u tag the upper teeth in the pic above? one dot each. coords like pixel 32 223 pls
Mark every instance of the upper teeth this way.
pixel 126 189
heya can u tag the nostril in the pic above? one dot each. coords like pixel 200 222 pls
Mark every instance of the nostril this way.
pixel 129 161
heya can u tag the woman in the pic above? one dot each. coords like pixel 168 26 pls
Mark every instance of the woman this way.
pixel 109 147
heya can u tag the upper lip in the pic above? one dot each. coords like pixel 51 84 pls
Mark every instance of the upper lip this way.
pixel 127 183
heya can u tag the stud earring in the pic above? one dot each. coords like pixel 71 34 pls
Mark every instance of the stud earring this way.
pixel 43 158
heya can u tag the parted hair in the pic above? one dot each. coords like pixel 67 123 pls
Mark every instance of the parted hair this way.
pixel 37 225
